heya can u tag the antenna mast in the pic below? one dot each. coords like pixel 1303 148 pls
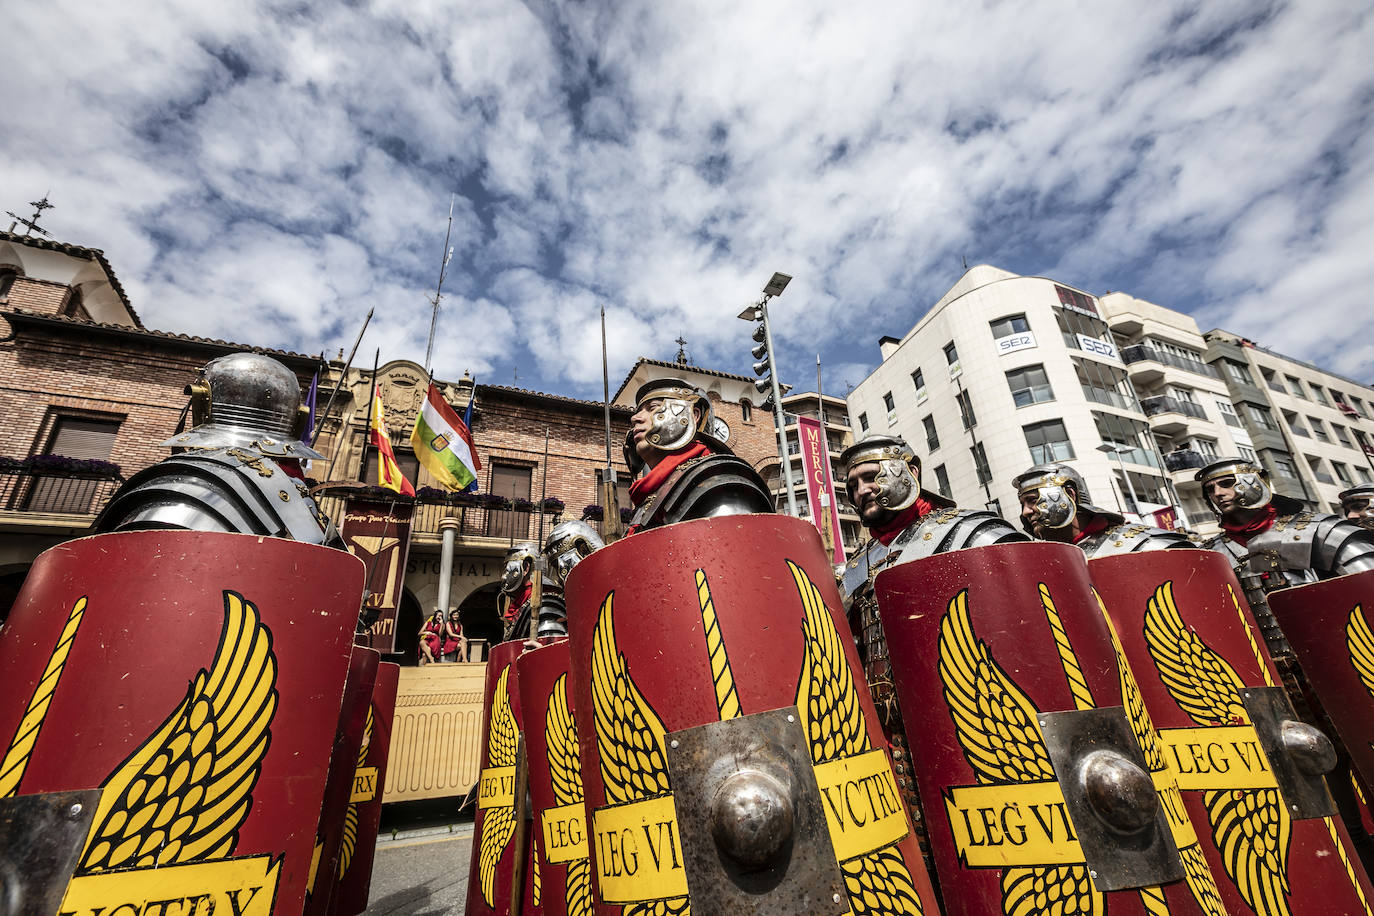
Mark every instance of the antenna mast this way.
pixel 439 290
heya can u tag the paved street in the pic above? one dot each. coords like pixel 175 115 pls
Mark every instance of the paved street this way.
pixel 421 872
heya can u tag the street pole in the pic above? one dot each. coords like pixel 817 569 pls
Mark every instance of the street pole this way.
pixel 1130 487
pixel 779 416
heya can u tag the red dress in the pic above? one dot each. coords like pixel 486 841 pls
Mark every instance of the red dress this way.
pixel 433 636
pixel 451 643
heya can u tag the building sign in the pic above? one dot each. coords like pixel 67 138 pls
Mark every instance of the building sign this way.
pixel 1098 347
pixel 1074 300
pixel 379 535
pixel 820 486
pixel 1022 341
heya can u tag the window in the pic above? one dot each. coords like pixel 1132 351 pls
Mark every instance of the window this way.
pixel 1075 299
pixel 1319 396
pixel 890 404
pixel 1261 416
pixel 746 411
pixel 980 463
pixel 1029 386
pixel 942 482
pixel 1183 394
pixel 966 410
pixel 1358 405
pixel 1295 386
pixel 1239 372
pixel 1295 423
pixel 1048 441
pixel 72 437
pixel 1318 429
pixel 406 461
pixel 918 380
pixel 1272 380
pixel 1318 469
pixel 932 437
pixel 1247 453
pixel 1012 324
pixel 1341 437
pixel 1228 412
pixel 1339 398
pixel 1363 475
pixel 1206 447
pixel 1343 473
pixel 863 422
pixel 951 353
pixel 7 278
pixel 513 483
pixel 1280 463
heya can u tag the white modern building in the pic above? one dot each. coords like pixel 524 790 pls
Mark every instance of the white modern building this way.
pixel 1004 372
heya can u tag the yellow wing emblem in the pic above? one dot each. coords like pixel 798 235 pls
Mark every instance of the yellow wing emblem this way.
pixel 879 882
pixel 995 723
pixel 349 842
pixel 565 770
pixel 1251 827
pixel 498 825
pixel 1360 641
pixel 185 792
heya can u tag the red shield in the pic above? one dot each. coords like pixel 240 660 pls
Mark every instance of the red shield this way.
pixel 348 741
pixel 495 828
pixel 558 821
pixel 364 813
pixel 1192 646
pixel 1331 628
pixel 197 677
pixel 984 643
pixel 704 621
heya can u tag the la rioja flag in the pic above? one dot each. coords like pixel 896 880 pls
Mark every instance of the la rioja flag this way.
pixel 443 443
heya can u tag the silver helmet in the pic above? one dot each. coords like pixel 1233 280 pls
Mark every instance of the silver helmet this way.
pixel 673 426
pixel 1358 502
pixel 1252 486
pixel 1061 493
pixel 566 546
pixel 899 470
pixel 519 564
pixel 246 399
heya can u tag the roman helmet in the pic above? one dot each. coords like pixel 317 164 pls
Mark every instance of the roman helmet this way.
pixel 247 400
pixel 899 470
pixel 519 564
pixel 567 544
pixel 672 427
pixel 1252 486
pixel 1061 493
pixel 1358 499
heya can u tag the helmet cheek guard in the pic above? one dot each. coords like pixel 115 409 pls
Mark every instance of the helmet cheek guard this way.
pixel 1055 507
pixel 898 487
pixel 671 426
pixel 1253 491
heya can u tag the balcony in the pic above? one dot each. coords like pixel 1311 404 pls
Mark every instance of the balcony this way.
pixel 1184 459
pixel 1167 413
pixel 1144 353
pixel 478 516
pixel 58 492
pixel 1107 397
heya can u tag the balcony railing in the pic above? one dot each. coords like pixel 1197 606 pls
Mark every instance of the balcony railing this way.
pixel 1142 352
pixel 1108 397
pixel 1166 404
pixel 474 521
pixel 1184 459
pixel 33 486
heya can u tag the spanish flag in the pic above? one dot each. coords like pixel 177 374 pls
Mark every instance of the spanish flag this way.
pixel 388 474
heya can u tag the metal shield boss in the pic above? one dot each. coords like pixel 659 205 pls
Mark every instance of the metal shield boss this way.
pixel 1249 773
pixel 731 754
pixel 558 820
pixel 1036 792
pixel 1330 626
pixel 361 818
pixel 191 684
pixel 500 857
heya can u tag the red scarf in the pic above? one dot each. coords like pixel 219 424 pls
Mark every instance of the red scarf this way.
pixel 1099 524
pixel 514 610
pixel 904 520
pixel 1242 533
pixel 645 486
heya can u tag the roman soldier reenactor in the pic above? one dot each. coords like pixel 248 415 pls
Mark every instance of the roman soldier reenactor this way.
pixel 521 585
pixel 1357 505
pixel 687 472
pixel 1055 506
pixel 567 545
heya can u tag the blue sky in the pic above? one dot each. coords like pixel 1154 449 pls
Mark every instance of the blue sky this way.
pixel 264 172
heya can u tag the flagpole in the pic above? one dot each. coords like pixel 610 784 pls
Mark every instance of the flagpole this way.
pixel 439 289
pixel 367 440
pixel 610 501
pixel 319 423
pixel 544 486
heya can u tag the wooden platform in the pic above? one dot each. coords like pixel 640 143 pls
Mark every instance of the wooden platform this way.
pixel 436 738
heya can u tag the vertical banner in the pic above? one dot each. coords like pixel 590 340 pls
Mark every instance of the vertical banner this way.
pixel 379 535
pixel 1166 518
pixel 820 486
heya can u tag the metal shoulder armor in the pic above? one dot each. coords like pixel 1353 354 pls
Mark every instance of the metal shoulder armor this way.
pixel 553 614
pixel 224 489
pixel 715 485
pixel 1132 539
pixel 945 530
pixel 1341 546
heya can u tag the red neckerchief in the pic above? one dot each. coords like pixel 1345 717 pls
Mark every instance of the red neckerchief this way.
pixel 644 487
pixel 904 520
pixel 1242 534
pixel 1099 524
pixel 291 468
pixel 514 610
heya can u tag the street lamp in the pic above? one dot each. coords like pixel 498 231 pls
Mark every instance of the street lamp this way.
pixel 767 370
pixel 1116 450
